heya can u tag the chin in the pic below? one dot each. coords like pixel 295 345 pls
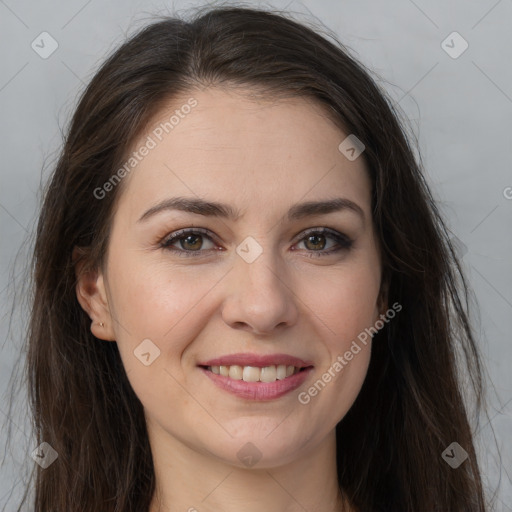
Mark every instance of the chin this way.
pixel 261 444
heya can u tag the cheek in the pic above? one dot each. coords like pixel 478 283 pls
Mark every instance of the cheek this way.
pixel 338 382
pixel 347 308
pixel 346 302
pixel 153 299
pixel 154 323
pixel 168 306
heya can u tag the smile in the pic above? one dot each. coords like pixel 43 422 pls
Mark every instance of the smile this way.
pixel 256 377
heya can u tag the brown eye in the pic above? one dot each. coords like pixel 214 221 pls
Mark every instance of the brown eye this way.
pixel 316 240
pixel 191 241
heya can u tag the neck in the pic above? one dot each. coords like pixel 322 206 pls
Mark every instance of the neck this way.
pixel 196 482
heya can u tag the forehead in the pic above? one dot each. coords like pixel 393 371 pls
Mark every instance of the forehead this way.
pixel 223 145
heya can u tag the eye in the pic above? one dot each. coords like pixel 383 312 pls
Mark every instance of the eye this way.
pixel 315 240
pixel 191 242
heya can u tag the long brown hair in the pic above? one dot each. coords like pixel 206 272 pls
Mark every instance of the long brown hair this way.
pixel 411 406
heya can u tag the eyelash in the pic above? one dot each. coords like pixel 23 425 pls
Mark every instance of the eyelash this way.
pixel 344 242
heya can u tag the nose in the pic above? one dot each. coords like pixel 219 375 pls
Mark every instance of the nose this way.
pixel 260 296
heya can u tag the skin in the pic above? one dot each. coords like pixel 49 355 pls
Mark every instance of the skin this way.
pixel 260 158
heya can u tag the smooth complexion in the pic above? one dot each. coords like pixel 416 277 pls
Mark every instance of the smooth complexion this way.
pixel 261 159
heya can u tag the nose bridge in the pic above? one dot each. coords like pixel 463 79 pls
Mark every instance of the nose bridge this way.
pixel 260 296
pixel 259 266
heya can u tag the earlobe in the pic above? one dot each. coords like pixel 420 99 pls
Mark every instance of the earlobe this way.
pixel 101 331
pixel 91 294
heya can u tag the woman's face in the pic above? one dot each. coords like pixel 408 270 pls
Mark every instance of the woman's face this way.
pixel 254 288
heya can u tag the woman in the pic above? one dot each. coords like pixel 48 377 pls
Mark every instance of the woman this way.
pixel 244 294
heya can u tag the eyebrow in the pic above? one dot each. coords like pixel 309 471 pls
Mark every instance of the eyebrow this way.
pixel 216 209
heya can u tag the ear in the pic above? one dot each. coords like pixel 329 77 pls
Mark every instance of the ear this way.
pixel 92 296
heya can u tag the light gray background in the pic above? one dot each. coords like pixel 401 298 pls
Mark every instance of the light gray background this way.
pixel 460 110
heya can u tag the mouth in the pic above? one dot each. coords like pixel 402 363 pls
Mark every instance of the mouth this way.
pixel 257 377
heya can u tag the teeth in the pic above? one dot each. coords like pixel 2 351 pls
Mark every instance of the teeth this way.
pixel 254 373
pixel 281 372
pixel 268 374
pixel 235 372
pixel 251 374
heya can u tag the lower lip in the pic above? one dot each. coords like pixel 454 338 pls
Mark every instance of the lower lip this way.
pixel 259 390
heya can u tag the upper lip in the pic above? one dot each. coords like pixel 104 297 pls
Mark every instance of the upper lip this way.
pixel 257 360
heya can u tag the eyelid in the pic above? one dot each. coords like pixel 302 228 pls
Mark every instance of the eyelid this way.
pixel 344 242
pixel 181 233
pixel 322 230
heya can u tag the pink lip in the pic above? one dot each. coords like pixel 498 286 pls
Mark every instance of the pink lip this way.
pixel 258 390
pixel 257 360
